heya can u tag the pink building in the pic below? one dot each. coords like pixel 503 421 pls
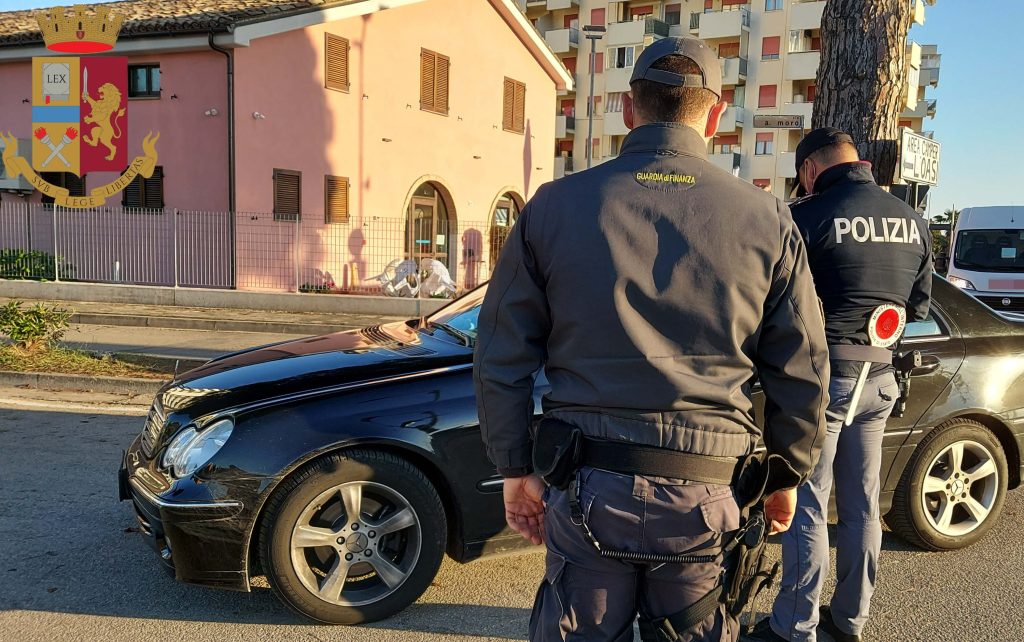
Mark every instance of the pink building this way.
pixel 340 136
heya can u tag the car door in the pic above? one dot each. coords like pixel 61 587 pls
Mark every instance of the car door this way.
pixel 942 353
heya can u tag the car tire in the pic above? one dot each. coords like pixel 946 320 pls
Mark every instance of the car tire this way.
pixel 336 581
pixel 937 506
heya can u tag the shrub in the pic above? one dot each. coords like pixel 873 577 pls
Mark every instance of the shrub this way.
pixel 32 264
pixel 34 326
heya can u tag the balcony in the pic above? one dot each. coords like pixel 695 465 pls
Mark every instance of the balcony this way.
pixel 720 24
pixel 928 77
pixel 924 108
pixel 617 79
pixel 732 119
pixel 564 126
pixel 804 109
pixel 614 125
pixel 806 15
pixel 787 165
pixel 734 70
pixel 555 5
pixel 730 162
pixel 633 32
pixel 563 166
pixel 802 65
pixel 563 40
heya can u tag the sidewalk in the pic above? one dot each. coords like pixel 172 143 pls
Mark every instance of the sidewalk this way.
pixel 192 335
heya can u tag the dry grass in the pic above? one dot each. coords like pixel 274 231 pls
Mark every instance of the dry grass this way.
pixel 64 361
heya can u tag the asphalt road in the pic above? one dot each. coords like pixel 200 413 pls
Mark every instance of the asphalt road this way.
pixel 71 567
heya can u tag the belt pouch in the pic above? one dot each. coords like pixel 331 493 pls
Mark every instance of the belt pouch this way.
pixel 556 451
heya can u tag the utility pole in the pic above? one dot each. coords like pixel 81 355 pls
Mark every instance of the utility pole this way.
pixel 593 34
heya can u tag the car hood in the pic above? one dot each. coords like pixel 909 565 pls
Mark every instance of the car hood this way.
pixel 306 365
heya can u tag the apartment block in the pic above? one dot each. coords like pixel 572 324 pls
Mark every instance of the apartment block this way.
pixel 769 52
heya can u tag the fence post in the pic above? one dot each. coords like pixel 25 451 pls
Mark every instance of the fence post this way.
pixel 298 239
pixel 56 257
pixel 174 213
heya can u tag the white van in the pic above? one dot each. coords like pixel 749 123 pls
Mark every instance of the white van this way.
pixel 987 256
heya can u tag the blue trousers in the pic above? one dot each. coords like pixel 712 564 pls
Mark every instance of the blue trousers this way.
pixel 851 460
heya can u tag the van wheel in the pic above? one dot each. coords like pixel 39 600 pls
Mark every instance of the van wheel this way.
pixel 353 537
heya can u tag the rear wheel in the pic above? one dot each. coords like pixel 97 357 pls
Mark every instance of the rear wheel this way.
pixel 354 537
pixel 953 489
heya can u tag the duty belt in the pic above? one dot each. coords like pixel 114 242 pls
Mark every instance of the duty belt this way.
pixel 847 352
pixel 637 459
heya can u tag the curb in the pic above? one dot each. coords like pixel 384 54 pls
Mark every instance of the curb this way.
pixel 84 383
pixel 216 325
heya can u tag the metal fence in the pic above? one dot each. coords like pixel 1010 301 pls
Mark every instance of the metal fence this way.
pixel 246 250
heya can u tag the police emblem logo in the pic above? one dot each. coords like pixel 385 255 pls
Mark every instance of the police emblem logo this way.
pixel 79 109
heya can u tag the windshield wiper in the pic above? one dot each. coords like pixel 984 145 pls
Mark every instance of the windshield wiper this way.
pixel 455 332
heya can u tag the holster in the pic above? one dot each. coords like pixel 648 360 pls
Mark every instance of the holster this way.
pixel 557 448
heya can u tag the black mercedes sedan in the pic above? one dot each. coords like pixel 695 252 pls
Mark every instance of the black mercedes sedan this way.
pixel 344 466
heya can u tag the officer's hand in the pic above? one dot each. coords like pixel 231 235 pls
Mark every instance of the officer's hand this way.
pixel 779 508
pixel 524 510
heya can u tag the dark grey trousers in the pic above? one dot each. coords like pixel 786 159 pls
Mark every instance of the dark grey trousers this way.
pixel 587 597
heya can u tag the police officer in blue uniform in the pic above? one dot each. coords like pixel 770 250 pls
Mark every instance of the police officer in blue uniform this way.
pixel 652 288
pixel 866 248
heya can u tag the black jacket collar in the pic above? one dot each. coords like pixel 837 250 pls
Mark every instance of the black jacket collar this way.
pixel 665 137
pixel 856 172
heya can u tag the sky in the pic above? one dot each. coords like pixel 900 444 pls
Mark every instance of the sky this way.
pixel 979 120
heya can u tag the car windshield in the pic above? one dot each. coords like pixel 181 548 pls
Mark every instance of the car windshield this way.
pixel 460 317
pixel 990 250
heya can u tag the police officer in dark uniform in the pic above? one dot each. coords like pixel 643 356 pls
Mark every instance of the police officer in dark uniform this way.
pixel 651 288
pixel 866 248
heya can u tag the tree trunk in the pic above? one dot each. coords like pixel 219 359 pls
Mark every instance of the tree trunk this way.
pixel 862 79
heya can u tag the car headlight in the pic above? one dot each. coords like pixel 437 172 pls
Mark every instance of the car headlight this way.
pixel 962 283
pixel 192 447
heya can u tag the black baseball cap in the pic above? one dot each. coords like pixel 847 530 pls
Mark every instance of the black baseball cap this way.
pixel 710 76
pixel 815 140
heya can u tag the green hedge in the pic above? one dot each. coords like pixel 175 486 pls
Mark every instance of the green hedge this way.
pixel 34 264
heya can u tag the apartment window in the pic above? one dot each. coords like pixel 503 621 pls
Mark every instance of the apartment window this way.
pixel 599 63
pixel 726 144
pixel 770 47
pixel 570 64
pixel 595 149
pixel 335 199
pixel 597 17
pixel 336 62
pixel 145 192
pixel 766 95
pixel 673 14
pixel 434 81
pixel 597 106
pixel 763 144
pixel 734 5
pixel 621 57
pixel 569 107
pixel 639 13
pixel 614 104
pixel 571 21
pixel 763 183
pixel 729 50
pixel 143 81
pixel 67 180
pixel 513 113
pixel 811 91
pixel 773 5
pixel 903 123
pixel 287 194
pixel 729 96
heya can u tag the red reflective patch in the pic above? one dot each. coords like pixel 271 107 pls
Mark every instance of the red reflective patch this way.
pixel 887 325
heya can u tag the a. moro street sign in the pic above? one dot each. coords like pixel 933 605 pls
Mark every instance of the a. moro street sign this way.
pixel 919 159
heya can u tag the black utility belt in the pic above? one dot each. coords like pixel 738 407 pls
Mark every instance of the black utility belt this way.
pixel 848 352
pixel 560 449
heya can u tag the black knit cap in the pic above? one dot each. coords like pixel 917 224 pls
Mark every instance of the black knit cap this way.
pixel 815 140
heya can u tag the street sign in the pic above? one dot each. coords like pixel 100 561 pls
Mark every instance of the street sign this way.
pixel 781 121
pixel 919 159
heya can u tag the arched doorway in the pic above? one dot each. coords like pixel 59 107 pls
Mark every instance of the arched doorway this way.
pixel 429 224
pixel 503 217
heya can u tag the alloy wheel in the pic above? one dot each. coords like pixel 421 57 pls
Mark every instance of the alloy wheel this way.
pixel 960 488
pixel 355 543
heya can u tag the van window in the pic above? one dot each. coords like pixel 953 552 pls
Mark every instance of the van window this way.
pixel 990 250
